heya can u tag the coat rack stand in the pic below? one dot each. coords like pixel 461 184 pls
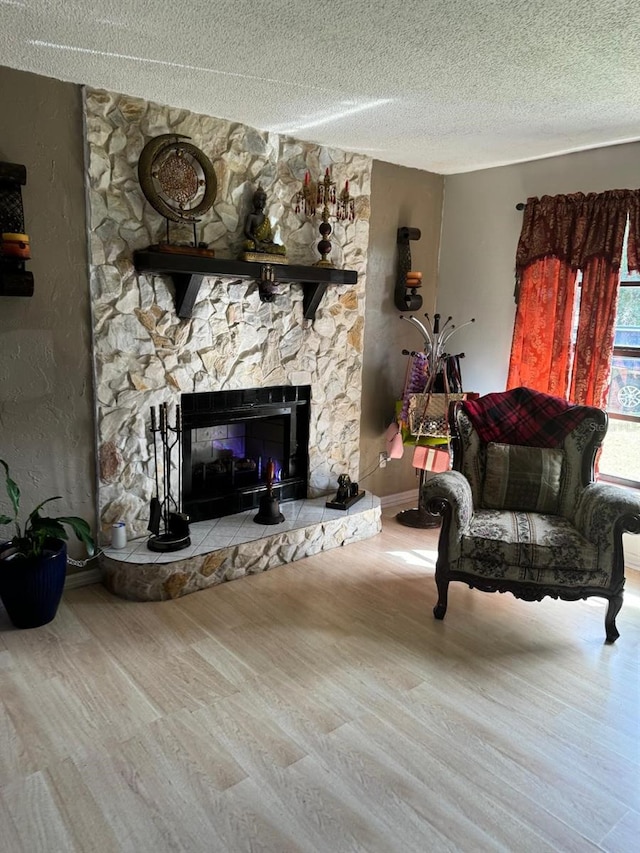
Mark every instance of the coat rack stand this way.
pixel 435 336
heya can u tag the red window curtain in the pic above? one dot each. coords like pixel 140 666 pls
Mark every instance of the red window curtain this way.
pixel 561 235
pixel 594 342
pixel 541 347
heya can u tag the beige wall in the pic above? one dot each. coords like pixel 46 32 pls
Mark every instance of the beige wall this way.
pixel 481 227
pixel 399 197
pixel 46 398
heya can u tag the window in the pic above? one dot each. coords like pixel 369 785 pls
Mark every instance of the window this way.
pixel 620 458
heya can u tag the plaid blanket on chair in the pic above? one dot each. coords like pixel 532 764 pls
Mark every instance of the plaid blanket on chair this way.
pixel 523 416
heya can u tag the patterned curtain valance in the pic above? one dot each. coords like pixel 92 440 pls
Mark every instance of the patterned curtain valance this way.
pixel 574 228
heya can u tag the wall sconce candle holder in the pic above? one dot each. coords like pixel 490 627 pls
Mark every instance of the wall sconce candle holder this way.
pixel 323 195
pixel 15 245
pixel 406 296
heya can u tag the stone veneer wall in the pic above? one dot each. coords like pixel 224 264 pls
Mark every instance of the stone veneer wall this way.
pixel 144 354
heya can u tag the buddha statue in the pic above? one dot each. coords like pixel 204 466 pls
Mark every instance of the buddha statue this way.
pixel 259 244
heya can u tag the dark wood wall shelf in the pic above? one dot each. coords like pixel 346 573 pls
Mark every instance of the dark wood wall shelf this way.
pixel 187 272
pixel 15 280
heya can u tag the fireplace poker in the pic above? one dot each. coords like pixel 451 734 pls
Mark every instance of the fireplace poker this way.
pixel 179 441
pixel 164 432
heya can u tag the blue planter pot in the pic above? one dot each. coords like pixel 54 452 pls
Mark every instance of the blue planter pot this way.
pixel 31 589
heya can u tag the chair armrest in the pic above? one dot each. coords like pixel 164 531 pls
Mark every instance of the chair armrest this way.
pixel 605 512
pixel 450 493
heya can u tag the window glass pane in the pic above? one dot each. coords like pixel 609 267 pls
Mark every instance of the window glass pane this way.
pixel 624 391
pixel 621 450
pixel 628 317
pixel 624 268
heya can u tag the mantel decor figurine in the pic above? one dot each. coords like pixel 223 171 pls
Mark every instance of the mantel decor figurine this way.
pixel 179 181
pixel 323 194
pixel 259 244
pixel 347 495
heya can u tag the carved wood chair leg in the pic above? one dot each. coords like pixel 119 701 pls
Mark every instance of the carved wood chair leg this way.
pixel 443 589
pixel 615 603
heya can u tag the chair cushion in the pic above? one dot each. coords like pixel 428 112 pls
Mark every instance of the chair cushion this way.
pixel 522 478
pixel 497 540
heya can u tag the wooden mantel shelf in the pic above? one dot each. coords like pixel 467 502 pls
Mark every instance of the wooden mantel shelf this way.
pixel 187 272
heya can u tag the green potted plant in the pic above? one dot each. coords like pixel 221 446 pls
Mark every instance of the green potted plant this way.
pixel 33 564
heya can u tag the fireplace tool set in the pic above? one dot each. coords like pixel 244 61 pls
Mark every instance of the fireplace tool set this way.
pixel 166 512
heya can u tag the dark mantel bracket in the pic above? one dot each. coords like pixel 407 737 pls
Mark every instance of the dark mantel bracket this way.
pixel 187 272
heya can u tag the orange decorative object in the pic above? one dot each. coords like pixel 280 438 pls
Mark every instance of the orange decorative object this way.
pixel 16 246
pixel 271 473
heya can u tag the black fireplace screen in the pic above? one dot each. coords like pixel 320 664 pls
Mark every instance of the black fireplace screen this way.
pixel 228 439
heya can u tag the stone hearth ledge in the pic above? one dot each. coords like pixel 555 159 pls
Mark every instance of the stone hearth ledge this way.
pixel 224 549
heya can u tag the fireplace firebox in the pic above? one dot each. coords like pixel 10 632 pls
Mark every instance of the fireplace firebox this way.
pixel 228 439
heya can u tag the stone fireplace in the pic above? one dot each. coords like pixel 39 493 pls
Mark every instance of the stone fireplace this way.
pixel 145 355
pixel 229 438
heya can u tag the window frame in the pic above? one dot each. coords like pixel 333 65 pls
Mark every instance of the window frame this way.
pixel 626 280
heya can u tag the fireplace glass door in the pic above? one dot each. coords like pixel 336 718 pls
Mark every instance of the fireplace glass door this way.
pixel 228 439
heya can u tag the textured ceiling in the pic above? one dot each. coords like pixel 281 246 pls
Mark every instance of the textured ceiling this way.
pixel 444 85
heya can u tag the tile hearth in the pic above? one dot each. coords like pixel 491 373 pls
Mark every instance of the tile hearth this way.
pixel 230 547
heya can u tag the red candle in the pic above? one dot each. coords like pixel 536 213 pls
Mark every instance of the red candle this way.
pixel 327 172
pixel 307 178
pixel 346 187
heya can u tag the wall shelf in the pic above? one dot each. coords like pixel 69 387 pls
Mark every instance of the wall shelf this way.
pixel 15 280
pixel 187 272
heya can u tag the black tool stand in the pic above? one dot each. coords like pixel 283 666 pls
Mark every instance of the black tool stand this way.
pixel 419 517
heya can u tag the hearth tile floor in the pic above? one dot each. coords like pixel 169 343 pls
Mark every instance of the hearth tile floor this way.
pixel 217 533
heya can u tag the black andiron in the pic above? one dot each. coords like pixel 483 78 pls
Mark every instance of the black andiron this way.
pixel 167 512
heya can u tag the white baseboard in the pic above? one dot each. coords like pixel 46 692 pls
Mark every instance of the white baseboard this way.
pixel 84 578
pixel 400 498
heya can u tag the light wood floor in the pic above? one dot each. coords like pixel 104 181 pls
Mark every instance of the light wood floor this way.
pixel 319 707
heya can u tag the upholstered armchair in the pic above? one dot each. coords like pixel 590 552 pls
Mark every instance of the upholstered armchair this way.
pixel 521 511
